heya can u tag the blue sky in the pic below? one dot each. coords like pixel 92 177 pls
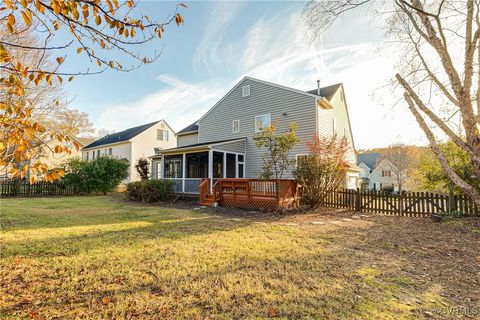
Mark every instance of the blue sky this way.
pixel 223 41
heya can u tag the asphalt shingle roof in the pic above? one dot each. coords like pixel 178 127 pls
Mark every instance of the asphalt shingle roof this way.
pixel 124 135
pixel 370 159
pixel 190 128
pixel 327 92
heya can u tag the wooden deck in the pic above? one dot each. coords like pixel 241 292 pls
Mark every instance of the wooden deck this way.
pixel 251 194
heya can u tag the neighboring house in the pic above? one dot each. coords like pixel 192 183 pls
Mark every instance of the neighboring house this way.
pixel 45 153
pixel 132 144
pixel 377 172
pixel 220 144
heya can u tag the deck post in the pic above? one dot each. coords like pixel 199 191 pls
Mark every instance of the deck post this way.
pixel 184 171
pixel 210 168
pixel 224 165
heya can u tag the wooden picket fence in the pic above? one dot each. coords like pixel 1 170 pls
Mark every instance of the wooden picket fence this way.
pixel 12 188
pixel 413 204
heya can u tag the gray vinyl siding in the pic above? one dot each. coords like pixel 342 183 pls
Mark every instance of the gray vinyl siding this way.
pixel 264 98
pixel 340 113
pixel 235 146
pixel 187 139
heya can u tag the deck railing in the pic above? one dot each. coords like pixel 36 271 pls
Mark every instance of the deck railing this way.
pixel 252 193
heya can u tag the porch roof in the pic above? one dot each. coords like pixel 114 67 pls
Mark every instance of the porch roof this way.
pixel 195 147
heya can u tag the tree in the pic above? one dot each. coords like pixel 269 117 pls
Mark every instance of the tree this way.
pixel 142 167
pixel 440 69
pixel 401 159
pixel 323 170
pixel 435 179
pixel 95 28
pixel 276 160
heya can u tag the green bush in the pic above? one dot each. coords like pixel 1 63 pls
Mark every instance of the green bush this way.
pixel 102 175
pixel 151 190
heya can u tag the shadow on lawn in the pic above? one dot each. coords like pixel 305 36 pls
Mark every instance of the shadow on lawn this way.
pixel 148 229
pixel 332 282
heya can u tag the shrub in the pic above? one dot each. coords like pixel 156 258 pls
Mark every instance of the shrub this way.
pixel 142 167
pixel 100 175
pixel 323 170
pixel 151 190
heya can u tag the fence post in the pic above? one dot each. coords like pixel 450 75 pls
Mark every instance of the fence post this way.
pixel 400 203
pixel 358 200
pixel 452 202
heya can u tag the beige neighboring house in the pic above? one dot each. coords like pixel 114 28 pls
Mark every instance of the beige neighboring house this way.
pixel 45 153
pixel 133 144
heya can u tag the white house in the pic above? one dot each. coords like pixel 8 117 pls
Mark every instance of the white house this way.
pixel 377 172
pixel 132 144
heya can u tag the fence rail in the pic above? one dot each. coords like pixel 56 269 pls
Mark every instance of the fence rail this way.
pixel 405 204
pixel 12 188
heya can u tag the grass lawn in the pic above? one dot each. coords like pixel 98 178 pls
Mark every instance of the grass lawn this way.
pixel 102 257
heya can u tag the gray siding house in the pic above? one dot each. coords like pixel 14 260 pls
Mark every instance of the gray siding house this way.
pixel 220 144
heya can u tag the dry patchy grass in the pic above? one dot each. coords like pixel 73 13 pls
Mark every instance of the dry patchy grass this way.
pixel 100 257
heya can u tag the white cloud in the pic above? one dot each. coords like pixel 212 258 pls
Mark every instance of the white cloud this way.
pixel 221 16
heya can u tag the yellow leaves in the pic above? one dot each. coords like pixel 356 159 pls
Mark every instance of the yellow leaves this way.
pixel 60 60
pixel 99 63
pixel 39 6
pixel 79 50
pixel 98 20
pixel 132 32
pixel 56 25
pixel 71 78
pixel 9 4
pixel 27 16
pixel 58 149
pixel 102 43
pixel 60 80
pixel 110 63
pixel 10 23
pixel 76 145
pixel 110 7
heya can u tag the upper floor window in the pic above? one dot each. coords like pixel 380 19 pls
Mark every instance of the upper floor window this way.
pixel 261 122
pixel 246 90
pixel 386 173
pixel 235 126
pixel 162 135
pixel 109 151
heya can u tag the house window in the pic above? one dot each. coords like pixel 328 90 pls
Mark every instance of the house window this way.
pixel 240 166
pixel 98 153
pixel 109 151
pixel 236 126
pixel 93 155
pixel 261 122
pixel 246 91
pixel 162 135
pixel 386 173
pixel 300 158
pixel 86 153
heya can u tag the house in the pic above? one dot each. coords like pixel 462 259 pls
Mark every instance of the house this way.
pixel 45 153
pixel 132 144
pixel 377 173
pixel 220 144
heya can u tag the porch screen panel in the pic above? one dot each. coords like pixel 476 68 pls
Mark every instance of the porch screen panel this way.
pixel 173 167
pixel 231 159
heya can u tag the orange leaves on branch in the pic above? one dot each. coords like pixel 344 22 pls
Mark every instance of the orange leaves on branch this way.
pixel 178 19
pixel 60 60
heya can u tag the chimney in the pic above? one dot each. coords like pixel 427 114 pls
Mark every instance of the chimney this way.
pixel 318 87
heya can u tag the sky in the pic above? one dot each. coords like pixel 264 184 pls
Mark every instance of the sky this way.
pixel 221 42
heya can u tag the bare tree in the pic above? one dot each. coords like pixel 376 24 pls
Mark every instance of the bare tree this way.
pixel 440 69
